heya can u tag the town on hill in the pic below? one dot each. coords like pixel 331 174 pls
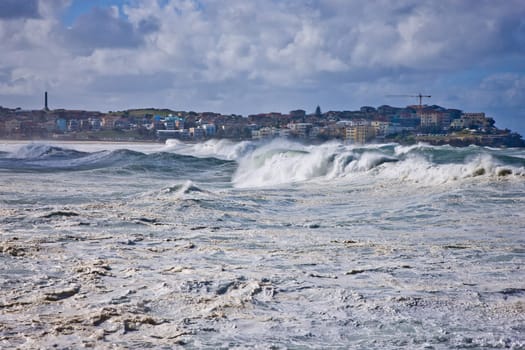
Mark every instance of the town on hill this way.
pixel 417 123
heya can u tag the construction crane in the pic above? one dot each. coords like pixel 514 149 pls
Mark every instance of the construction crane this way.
pixel 419 96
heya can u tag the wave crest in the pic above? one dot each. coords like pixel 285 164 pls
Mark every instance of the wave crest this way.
pixel 35 151
pixel 221 149
pixel 281 162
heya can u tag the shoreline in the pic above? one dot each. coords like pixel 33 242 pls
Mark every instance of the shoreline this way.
pixel 454 141
pixel 15 141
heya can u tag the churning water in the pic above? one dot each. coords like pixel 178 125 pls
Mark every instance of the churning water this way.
pixel 261 245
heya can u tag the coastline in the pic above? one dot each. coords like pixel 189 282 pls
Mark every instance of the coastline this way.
pixel 66 141
pixel 454 141
pixel 405 125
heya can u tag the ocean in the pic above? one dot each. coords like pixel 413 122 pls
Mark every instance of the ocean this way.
pixel 265 245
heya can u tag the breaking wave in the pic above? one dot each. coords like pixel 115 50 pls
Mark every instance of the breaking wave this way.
pixel 36 151
pixel 221 149
pixel 46 158
pixel 281 162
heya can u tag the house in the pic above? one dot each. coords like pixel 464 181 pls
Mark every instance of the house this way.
pixel 108 121
pixel 73 125
pixel 96 124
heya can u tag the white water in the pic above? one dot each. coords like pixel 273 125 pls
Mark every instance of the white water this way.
pixel 222 149
pixel 329 246
pixel 284 162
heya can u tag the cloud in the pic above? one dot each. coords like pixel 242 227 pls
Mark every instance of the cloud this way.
pixel 16 9
pixel 291 42
pixel 247 56
pixel 104 28
pixel 504 88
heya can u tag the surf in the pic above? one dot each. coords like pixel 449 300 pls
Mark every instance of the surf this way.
pixel 284 162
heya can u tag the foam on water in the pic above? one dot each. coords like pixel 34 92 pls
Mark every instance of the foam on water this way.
pixel 289 246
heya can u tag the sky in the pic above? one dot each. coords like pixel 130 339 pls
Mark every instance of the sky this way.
pixel 254 56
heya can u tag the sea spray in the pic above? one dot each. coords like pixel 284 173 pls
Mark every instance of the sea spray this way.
pixel 222 149
pixel 280 162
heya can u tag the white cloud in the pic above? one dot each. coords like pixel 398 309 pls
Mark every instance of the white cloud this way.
pixel 243 56
pixel 507 89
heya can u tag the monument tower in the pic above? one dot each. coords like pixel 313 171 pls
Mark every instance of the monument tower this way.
pixel 46 108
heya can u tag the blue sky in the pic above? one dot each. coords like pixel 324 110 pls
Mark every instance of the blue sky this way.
pixel 238 56
pixel 79 7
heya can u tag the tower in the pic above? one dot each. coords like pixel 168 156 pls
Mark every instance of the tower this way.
pixel 45 101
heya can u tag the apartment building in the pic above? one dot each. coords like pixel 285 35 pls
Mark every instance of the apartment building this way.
pixel 360 134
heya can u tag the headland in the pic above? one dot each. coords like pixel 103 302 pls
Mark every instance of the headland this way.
pixel 433 124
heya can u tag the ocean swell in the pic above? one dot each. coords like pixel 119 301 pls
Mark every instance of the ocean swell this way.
pixel 279 162
pixel 47 158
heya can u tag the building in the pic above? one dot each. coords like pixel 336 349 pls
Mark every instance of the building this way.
pixel 209 129
pixel 434 120
pixel 197 133
pixel 108 121
pixel 183 134
pixel 96 124
pixel 12 126
pixel 344 123
pixel 265 133
pixel 472 121
pixel 360 134
pixel 173 123
pixel 381 128
pixel 300 129
pixel 73 125
pixel 61 124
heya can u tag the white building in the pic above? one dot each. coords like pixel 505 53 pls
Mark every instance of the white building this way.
pixel 300 129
